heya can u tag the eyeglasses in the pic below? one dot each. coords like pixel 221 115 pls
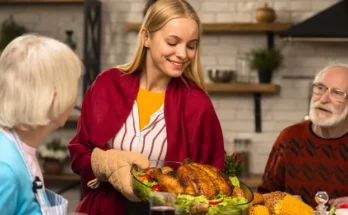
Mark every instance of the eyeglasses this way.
pixel 334 93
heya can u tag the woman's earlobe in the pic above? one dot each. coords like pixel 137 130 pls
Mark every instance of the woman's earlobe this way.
pixel 145 37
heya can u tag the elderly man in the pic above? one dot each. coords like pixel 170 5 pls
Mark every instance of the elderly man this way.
pixel 313 155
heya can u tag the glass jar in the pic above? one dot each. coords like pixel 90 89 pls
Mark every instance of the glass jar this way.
pixel 243 70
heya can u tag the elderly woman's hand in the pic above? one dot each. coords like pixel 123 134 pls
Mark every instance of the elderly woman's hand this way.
pixel 339 201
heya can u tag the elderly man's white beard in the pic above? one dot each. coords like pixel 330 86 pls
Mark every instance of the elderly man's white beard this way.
pixel 325 121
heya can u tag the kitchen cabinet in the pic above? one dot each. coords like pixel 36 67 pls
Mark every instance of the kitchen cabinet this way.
pixel 268 29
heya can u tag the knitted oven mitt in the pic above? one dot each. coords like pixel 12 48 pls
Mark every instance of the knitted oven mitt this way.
pixel 115 166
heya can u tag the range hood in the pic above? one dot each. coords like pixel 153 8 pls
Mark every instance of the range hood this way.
pixel 329 25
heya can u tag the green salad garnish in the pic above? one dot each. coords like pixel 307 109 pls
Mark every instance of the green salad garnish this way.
pixel 219 205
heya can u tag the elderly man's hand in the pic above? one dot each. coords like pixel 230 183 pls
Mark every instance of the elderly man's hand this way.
pixel 339 201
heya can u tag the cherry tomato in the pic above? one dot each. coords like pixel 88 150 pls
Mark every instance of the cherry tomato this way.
pixel 215 202
pixel 144 177
pixel 344 206
pixel 156 187
pixel 149 170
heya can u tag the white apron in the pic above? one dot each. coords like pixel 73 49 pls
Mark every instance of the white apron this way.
pixel 50 202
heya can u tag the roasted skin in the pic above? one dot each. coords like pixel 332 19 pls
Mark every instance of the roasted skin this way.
pixel 168 182
pixel 220 180
pixel 270 199
pixel 202 183
pixel 193 179
pixel 183 176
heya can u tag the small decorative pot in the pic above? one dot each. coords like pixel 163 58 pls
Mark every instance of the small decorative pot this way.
pixel 265 14
pixel 52 167
pixel 265 76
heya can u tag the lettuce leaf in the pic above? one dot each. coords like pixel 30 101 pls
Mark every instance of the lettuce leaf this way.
pixel 235 181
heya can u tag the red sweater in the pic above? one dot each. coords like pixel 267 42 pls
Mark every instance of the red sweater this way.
pixel 193 131
pixel 302 163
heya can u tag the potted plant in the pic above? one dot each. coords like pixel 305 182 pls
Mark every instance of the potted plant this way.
pixel 265 61
pixel 54 155
pixel 9 31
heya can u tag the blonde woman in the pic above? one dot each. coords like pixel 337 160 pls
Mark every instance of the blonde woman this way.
pixel 38 89
pixel 153 108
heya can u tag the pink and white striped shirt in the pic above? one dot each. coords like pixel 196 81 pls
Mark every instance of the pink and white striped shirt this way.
pixel 151 141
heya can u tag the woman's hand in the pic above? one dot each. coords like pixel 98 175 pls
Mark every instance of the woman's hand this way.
pixel 339 201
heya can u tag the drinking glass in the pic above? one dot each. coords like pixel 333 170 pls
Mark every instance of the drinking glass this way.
pixel 162 203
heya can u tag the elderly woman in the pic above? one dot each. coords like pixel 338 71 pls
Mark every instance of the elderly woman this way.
pixel 38 89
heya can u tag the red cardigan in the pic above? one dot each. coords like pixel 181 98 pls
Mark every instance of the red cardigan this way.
pixel 302 163
pixel 193 131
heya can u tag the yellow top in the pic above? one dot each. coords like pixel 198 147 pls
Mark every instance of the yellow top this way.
pixel 148 103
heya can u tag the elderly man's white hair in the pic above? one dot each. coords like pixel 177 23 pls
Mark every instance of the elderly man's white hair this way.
pixel 330 66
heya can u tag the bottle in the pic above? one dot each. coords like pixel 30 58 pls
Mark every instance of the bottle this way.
pixel 321 197
pixel 69 41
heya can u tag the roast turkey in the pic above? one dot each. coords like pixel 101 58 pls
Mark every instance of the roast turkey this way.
pixel 194 179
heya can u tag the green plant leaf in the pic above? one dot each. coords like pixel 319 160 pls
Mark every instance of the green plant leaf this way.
pixel 233 166
pixel 266 60
pixel 9 31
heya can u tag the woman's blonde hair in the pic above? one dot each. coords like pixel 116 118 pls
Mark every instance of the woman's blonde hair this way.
pixel 157 16
pixel 38 81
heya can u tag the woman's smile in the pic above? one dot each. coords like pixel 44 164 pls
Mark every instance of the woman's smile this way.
pixel 177 65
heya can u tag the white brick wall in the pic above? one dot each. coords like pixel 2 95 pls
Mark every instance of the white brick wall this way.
pixel 50 20
pixel 235 112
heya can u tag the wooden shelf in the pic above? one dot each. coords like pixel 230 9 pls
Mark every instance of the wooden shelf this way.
pixel 217 88
pixel 73 118
pixel 62 177
pixel 238 88
pixel 71 123
pixel 41 1
pixel 242 88
pixel 230 27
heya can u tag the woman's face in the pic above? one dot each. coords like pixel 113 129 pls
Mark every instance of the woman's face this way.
pixel 172 48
